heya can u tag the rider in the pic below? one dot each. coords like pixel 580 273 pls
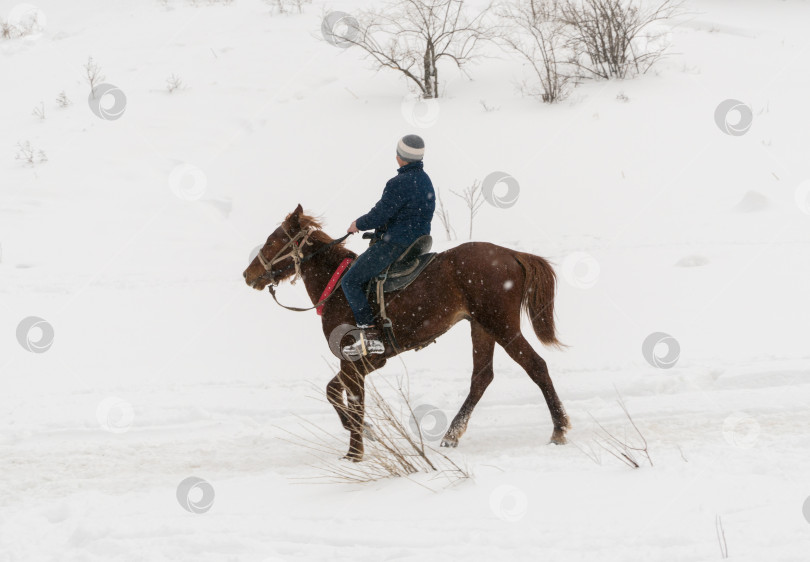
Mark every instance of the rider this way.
pixel 402 215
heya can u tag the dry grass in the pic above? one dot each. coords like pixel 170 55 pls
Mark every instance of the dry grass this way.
pixel 391 448
pixel 630 448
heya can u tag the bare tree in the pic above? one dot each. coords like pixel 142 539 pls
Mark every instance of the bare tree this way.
pixel 413 36
pixel 93 74
pixel 444 216
pixel 473 197
pixel 534 30
pixel 606 36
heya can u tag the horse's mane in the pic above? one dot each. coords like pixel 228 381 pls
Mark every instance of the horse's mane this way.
pixel 315 223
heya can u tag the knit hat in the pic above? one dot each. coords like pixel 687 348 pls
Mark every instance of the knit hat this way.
pixel 411 148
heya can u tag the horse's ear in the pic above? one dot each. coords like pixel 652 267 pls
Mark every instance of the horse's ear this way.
pixel 293 219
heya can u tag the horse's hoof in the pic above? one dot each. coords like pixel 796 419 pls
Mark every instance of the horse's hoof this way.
pixel 449 442
pixel 352 458
pixel 558 439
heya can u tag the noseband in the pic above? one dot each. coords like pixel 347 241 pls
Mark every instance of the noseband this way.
pixel 295 253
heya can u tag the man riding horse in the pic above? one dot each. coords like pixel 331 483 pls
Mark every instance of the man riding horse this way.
pixel 402 215
pixel 487 285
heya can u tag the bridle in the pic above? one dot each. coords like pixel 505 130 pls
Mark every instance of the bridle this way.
pixel 296 244
pixel 295 253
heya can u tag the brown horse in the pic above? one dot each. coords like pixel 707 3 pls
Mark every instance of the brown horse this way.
pixel 476 281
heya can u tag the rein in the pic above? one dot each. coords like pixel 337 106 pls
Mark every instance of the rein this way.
pixel 298 258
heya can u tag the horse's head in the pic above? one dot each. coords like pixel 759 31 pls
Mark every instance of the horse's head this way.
pixel 274 262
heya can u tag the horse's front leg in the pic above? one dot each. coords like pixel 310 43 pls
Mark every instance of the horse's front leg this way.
pixel 353 381
pixel 334 393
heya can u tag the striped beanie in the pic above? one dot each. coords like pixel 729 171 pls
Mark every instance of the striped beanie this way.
pixel 411 148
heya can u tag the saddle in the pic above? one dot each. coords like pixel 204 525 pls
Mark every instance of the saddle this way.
pixel 401 273
pixel 406 267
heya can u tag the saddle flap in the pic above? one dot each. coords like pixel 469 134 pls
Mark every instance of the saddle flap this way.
pixel 404 276
pixel 419 246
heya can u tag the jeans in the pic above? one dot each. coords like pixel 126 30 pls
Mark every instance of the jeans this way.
pixel 367 265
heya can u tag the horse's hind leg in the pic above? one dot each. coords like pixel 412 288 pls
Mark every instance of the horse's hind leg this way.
pixel 483 350
pixel 535 366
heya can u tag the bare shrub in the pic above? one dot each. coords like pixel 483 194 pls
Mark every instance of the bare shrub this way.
pixel 27 25
pixel 488 108
pixel 174 83
pixel 8 30
pixel 615 38
pixel 93 74
pixel 39 110
pixel 589 450
pixel 62 100
pixel 413 36
pixel 473 198
pixel 206 2
pixel 444 216
pixel 287 6
pixel 30 155
pixel 630 450
pixel 533 29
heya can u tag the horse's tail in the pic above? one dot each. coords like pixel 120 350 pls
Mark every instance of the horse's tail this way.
pixel 538 296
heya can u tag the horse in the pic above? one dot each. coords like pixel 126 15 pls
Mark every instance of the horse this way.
pixel 485 284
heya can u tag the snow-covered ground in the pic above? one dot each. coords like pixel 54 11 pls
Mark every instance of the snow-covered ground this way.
pixel 130 241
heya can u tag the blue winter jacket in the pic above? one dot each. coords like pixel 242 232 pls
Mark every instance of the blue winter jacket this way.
pixel 405 210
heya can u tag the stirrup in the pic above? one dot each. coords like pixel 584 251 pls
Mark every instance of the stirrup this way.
pixel 368 344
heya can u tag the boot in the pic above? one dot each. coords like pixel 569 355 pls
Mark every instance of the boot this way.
pixel 369 343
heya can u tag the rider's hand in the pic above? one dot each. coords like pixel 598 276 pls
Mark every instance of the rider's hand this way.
pixel 353 228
